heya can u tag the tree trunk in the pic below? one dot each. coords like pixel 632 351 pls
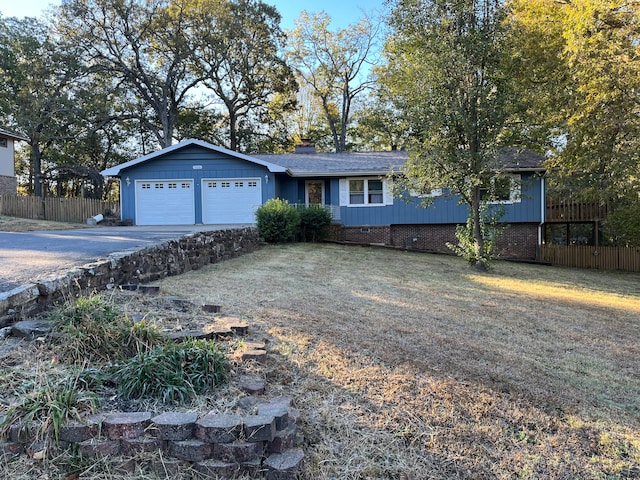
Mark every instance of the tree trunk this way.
pixel 36 167
pixel 332 124
pixel 233 131
pixel 478 239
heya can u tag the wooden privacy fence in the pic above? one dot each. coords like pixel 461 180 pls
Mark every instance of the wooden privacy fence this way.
pixel 74 210
pixel 584 256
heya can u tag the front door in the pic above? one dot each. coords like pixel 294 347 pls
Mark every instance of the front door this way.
pixel 315 192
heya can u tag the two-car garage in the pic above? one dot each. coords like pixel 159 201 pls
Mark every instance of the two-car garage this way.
pixel 194 182
pixel 173 202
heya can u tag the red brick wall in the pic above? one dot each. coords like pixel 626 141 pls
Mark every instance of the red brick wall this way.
pixel 430 238
pixel 517 241
pixel 367 234
pixel 8 185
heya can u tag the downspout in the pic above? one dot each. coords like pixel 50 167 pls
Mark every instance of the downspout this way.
pixel 121 202
pixel 543 212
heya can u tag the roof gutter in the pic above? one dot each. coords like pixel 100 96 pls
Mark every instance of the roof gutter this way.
pixel 337 174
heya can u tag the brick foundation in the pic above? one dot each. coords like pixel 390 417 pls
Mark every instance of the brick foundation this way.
pixel 429 238
pixel 519 240
pixel 8 185
pixel 379 234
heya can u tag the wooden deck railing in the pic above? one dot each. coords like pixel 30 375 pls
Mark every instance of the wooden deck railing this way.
pixel 74 210
pixel 603 258
pixel 570 211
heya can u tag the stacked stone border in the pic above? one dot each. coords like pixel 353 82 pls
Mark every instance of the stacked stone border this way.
pixel 263 444
pixel 169 258
pixel 260 442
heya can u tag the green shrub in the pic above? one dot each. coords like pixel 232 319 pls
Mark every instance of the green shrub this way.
pixel 92 329
pixel 490 229
pixel 277 221
pixel 314 223
pixel 174 372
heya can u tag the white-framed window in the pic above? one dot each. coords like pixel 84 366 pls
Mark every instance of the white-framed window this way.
pixel 366 191
pixel 146 186
pixel 212 184
pixel 360 192
pixel 186 185
pixel 504 189
pixel 252 184
pixel 158 185
pixel 173 185
pixel 225 184
pixel 239 184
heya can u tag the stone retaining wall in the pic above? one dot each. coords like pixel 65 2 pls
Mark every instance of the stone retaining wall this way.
pixel 133 267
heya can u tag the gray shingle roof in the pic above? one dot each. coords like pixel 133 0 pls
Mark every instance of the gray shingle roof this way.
pixel 514 159
pixel 321 164
pixel 7 133
pixel 380 163
pixel 336 164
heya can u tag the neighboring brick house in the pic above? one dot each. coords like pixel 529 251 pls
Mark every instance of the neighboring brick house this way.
pixel 195 182
pixel 8 180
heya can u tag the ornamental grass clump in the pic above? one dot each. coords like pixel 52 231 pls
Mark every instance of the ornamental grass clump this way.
pixel 173 372
pixel 92 329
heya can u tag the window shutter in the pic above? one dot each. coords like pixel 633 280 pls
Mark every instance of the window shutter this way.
pixel 344 192
pixel 386 192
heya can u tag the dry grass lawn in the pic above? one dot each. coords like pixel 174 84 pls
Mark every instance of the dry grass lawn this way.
pixel 413 366
pixel 14 224
pixel 408 366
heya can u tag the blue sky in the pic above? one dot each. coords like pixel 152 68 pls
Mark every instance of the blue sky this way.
pixel 342 12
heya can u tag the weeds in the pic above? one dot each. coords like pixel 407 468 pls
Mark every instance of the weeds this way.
pixel 43 408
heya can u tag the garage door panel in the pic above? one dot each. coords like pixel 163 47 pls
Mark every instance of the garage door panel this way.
pixel 228 201
pixel 165 202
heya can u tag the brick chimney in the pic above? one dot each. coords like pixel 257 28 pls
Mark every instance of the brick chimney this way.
pixel 305 146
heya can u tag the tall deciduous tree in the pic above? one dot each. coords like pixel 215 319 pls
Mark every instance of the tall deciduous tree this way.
pixel 334 64
pixel 141 45
pixel 582 86
pixel 37 77
pixel 382 122
pixel 446 61
pixel 237 48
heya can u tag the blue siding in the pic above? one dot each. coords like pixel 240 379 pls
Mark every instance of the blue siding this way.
pixel 443 210
pixel 180 165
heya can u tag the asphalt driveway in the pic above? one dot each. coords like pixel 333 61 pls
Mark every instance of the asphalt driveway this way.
pixel 27 256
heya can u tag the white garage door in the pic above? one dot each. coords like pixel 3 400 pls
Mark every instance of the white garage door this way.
pixel 230 200
pixel 165 202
